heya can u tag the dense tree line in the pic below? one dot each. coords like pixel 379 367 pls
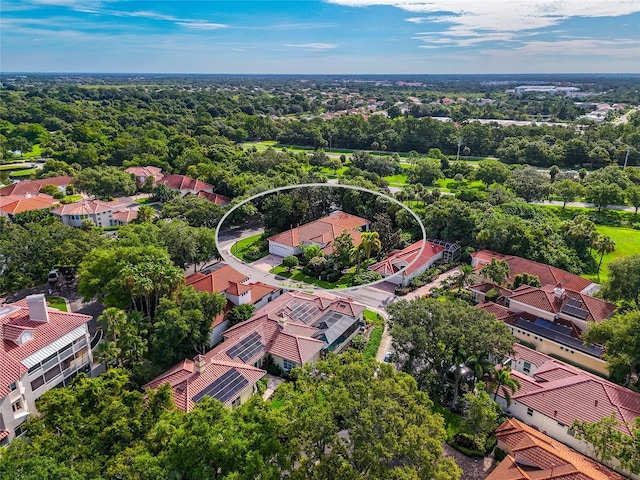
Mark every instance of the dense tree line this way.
pixel 375 423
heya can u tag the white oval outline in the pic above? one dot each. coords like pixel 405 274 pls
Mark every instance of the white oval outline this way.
pixel 332 185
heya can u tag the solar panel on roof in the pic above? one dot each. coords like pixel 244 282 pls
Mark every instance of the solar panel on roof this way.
pixel 575 311
pixel 574 302
pixel 246 348
pixel 224 388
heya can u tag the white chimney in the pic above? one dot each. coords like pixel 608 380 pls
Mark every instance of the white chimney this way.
pixel 38 308
pixel 200 363
pixel 558 291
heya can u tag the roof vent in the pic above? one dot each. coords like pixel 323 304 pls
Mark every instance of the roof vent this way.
pixel 38 308
pixel 596 403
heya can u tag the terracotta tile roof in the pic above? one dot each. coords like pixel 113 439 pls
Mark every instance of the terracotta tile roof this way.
pixel 399 259
pixel 182 182
pixel 545 299
pixel 14 320
pixel 31 187
pixel 219 280
pixel 533 455
pixel 260 290
pixel 237 289
pixel 186 382
pixel 547 274
pixel 147 171
pixel 12 204
pixel 87 207
pixel 566 393
pixel 214 197
pixel 499 311
pixel 125 216
pixel 322 231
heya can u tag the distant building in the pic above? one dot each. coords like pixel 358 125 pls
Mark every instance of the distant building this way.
pixel 102 214
pixel 142 173
pixel 411 257
pixel 41 348
pixel 33 187
pixel 11 205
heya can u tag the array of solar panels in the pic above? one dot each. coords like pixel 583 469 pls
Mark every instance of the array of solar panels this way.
pixel 573 307
pixel 558 333
pixel 332 325
pixel 303 311
pixel 247 348
pixel 224 388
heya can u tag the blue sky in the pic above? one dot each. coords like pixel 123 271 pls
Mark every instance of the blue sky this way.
pixel 330 36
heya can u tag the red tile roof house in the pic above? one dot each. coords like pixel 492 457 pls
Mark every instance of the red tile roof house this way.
pixel 32 187
pixel 292 330
pixel 190 186
pixel 41 348
pixel 142 173
pixel 396 261
pixel 236 287
pixel 102 214
pixel 547 274
pixel 531 455
pixel 553 318
pixel 321 232
pixel 10 205
pixel 553 394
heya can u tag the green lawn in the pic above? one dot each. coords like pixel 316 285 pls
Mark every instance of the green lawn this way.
pixel 627 243
pixel 57 302
pixel 398 180
pixel 73 198
pixel 298 276
pixel 12 166
pixel 240 248
pixel 452 421
pixel 23 173
pixel 34 153
pixel 144 200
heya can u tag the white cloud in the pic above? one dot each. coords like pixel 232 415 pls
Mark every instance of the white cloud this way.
pixel 315 47
pixel 468 16
pixel 198 25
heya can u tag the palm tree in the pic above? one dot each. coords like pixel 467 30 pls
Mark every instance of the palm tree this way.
pixel 466 276
pixel 496 271
pixel 603 245
pixel 370 243
pixel 356 255
pixel 506 384
pixel 145 214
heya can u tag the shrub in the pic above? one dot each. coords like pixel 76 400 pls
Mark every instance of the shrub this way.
pixel 402 291
pixel 333 276
pixel 499 454
pixel 372 347
pixel 274 369
pixel 317 264
pixel 363 278
pixel 492 295
pixel 262 385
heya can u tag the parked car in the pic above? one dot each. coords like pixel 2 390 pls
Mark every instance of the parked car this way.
pixel 54 276
pixel 388 357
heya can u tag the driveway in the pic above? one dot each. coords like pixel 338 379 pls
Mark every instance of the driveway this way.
pixel 425 289
pixel 267 263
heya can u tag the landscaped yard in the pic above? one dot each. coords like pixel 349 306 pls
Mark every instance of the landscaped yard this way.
pixel 375 337
pixel 57 302
pixel 627 243
pixel 241 248
pixel 298 276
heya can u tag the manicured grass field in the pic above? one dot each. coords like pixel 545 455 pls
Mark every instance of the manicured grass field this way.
pixel 627 243
pixel 57 302
pixel 74 198
pixel 34 153
pixel 23 173
pixel 398 180
pixel 298 276
pixel 240 248
pixel 13 166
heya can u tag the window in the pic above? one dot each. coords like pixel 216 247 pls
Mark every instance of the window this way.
pixel 19 430
pixel 37 383
pixel 235 403
pixel 17 405
pixel 526 368
pixel 51 374
pixel 288 365
pixel 530 412
pixel 12 386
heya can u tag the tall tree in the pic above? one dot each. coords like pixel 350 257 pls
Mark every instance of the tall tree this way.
pixel 624 280
pixel 492 171
pixel 428 333
pixel 370 243
pixel 342 246
pixel 620 336
pixel 568 190
pixel 529 184
pixel 505 384
pixel 497 271
pixel 104 182
pixel 603 245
